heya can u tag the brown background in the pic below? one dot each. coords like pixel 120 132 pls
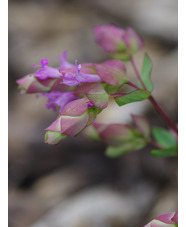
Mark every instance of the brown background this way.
pixel 74 184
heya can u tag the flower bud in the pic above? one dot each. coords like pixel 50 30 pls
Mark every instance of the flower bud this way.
pixel 109 37
pixel 31 84
pixel 114 134
pixel 74 117
pixel 120 43
pixel 132 41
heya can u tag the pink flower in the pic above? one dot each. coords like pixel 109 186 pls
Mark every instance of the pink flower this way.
pixel 46 71
pixel 57 98
pixel 63 59
pixel 78 77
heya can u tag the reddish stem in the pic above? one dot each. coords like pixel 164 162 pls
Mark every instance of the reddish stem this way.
pixel 152 99
pixel 117 95
pixel 163 114
pixel 133 85
pixel 154 143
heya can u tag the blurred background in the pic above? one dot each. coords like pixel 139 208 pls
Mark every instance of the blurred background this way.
pixel 74 184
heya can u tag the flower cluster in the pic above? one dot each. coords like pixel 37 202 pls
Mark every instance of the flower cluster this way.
pixel 81 91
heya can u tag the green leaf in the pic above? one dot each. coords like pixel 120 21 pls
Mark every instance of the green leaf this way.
pixel 146 73
pixel 135 96
pixel 112 88
pixel 169 152
pixel 116 151
pixel 164 137
pixel 93 112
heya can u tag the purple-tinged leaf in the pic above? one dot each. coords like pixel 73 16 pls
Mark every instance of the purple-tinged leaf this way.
pixel 97 95
pixel 112 72
pixel 76 107
pixel 142 124
pixel 71 126
pixel 55 126
pixel 166 220
pixel 175 217
pixel 74 117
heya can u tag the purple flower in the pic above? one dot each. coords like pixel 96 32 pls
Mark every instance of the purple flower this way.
pixel 63 59
pixel 57 98
pixel 46 71
pixel 77 77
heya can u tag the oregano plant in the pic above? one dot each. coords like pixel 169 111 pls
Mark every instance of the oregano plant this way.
pixel 81 91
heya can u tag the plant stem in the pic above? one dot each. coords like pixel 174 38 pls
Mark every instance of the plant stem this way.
pixel 133 85
pixel 117 95
pixel 152 99
pixel 163 114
